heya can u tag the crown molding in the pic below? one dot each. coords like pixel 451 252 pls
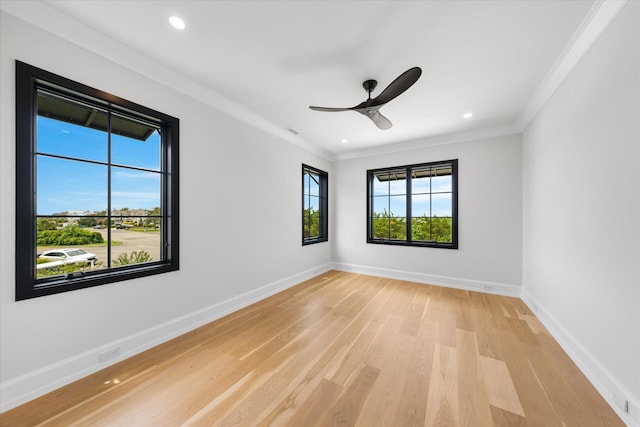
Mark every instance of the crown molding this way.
pixel 596 21
pixel 430 142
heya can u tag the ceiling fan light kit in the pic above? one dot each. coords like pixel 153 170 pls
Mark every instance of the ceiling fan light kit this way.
pixel 371 106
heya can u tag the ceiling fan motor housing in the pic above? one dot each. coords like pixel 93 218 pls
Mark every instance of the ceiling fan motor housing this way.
pixel 369 85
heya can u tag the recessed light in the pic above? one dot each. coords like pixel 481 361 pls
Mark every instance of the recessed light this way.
pixel 344 140
pixel 467 115
pixel 177 23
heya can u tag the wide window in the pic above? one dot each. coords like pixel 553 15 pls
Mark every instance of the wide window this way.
pixel 314 205
pixel 414 205
pixel 96 186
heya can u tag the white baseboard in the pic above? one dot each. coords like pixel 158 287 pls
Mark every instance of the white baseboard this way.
pixel 597 374
pixel 446 281
pixel 34 384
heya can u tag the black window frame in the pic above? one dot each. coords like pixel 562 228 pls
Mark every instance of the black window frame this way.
pixel 29 80
pixel 323 222
pixel 408 241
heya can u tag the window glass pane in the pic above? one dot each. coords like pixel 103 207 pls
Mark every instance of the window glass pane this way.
pixel 441 230
pixel 314 184
pixel 64 129
pixel 380 188
pixel 136 240
pixel 421 229
pixel 314 203
pixel 134 144
pixel 54 261
pixel 398 186
pixel 398 228
pixel 380 228
pixel 420 185
pixel 398 205
pixel 420 205
pixel 305 182
pixel 441 184
pixel 381 206
pixel 133 190
pixel 70 186
pixel 441 205
pixel 312 224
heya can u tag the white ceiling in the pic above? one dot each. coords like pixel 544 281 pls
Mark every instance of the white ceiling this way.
pixel 267 61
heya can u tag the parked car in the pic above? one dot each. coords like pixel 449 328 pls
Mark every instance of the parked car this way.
pixel 69 255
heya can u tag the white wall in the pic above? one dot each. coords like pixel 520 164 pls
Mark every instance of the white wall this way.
pixel 582 211
pixel 490 218
pixel 240 229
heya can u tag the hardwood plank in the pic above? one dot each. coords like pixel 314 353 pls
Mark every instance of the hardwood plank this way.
pixel 342 349
pixel 316 406
pixel 442 405
pixel 500 389
pixel 504 418
pixel 346 410
pixel 413 406
pixel 472 392
pixel 381 406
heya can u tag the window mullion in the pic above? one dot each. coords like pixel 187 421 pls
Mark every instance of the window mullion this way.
pixel 408 205
pixel 109 173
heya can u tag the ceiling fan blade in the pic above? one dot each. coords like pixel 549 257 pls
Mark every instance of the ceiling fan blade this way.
pixel 378 119
pixel 329 109
pixel 381 121
pixel 403 82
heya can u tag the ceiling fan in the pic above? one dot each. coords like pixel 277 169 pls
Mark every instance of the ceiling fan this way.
pixel 370 107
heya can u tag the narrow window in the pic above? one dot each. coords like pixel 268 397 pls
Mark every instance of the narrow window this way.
pixel 314 205
pixel 96 186
pixel 414 205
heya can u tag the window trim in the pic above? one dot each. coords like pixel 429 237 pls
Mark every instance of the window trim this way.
pixel 323 224
pixel 28 79
pixel 408 241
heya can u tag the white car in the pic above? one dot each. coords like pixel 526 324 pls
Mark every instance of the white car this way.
pixel 68 256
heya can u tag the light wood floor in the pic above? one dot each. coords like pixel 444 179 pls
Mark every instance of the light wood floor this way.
pixel 342 349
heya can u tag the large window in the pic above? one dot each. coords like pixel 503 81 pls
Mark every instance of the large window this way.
pixel 414 205
pixel 314 205
pixel 96 186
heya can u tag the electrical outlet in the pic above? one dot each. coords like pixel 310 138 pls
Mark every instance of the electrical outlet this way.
pixel 109 354
pixel 621 402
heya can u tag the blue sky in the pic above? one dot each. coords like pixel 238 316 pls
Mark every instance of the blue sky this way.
pixel 68 185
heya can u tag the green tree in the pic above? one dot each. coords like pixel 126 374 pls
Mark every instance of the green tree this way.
pixel 135 257
pixel 44 224
pixel 311 223
pixel 68 236
pixel 431 229
pixel 386 226
pixel 424 228
pixel 441 229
